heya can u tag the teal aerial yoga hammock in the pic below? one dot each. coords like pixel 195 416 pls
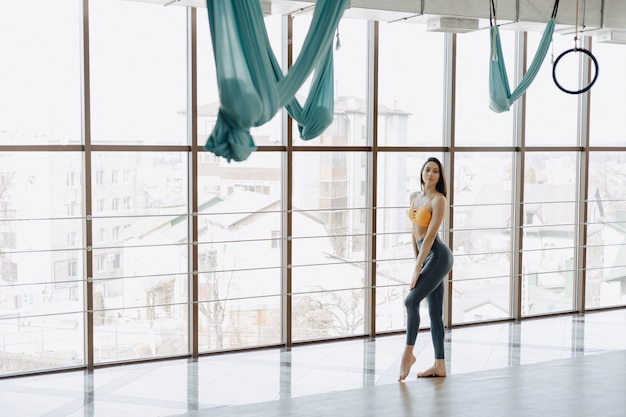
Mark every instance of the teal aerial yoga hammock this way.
pixel 251 84
pixel 500 96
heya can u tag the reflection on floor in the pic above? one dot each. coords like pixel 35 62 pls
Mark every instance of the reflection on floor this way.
pixel 550 357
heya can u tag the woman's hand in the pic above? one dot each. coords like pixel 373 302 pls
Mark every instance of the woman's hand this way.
pixel 416 275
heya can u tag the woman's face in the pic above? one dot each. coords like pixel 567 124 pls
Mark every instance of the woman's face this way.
pixel 430 174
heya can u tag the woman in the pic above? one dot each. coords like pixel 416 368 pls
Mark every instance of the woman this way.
pixel 434 261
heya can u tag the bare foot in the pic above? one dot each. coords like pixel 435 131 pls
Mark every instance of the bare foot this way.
pixel 405 366
pixel 437 370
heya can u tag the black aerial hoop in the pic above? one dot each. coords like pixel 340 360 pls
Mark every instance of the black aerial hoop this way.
pixel 595 77
pixel 574 50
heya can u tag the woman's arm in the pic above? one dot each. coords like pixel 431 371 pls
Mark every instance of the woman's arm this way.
pixel 412 198
pixel 439 205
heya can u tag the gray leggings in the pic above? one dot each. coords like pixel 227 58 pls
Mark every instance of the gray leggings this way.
pixel 430 286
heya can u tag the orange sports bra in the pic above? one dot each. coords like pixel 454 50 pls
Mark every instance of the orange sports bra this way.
pixel 421 216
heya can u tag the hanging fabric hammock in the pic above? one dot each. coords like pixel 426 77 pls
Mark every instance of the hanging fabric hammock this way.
pixel 252 87
pixel 500 94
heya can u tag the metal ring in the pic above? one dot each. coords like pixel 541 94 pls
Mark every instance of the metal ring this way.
pixel 595 63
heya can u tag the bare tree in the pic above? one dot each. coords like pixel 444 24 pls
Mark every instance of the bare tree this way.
pixel 216 289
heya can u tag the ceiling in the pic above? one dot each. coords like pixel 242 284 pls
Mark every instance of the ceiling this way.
pixel 603 19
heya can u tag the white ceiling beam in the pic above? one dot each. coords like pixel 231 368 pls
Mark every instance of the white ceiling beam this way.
pixel 597 15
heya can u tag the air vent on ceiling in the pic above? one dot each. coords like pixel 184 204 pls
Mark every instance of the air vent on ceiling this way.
pixel 611 36
pixel 452 24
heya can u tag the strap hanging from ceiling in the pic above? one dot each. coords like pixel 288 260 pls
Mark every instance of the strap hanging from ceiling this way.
pixel 500 95
pixel 252 86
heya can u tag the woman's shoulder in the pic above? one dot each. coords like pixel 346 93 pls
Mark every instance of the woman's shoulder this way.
pixel 439 198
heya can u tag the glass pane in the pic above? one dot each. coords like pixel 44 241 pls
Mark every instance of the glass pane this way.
pixel 350 66
pixel 269 133
pixel 229 324
pixel 328 314
pixel 41 259
pixel 482 236
pixel 606 238
pixel 40 341
pixel 40 73
pixel 398 177
pixel 544 126
pixel 127 184
pixel 240 250
pixel 605 126
pixel 151 329
pixel 39 185
pixel 548 233
pixel 140 297
pixel 476 123
pixel 329 224
pixel 138 73
pixel 140 257
pixel 411 94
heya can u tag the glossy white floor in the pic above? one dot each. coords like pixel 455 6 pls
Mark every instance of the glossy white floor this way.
pixel 509 361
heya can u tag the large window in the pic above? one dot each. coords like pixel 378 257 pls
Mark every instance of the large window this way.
pixel 410 86
pixel 140 285
pixel 398 177
pixel 606 215
pixel 549 210
pixel 482 236
pixel 41 270
pixel 606 222
pixel 138 73
pixel 40 73
pixel 605 122
pixel 350 67
pixel 329 245
pixel 544 125
pixel 476 124
pixel 239 268
pixel 122 239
